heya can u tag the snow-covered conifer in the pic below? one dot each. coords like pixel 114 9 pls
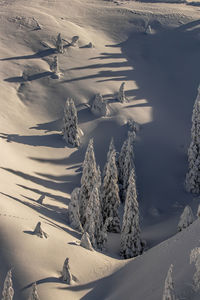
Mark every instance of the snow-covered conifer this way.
pixel 169 293
pixel 99 106
pixel 8 291
pixel 59 44
pixel 85 242
pixel 39 231
pixel 125 164
pixel 66 274
pixel 186 218
pixel 34 294
pixel 192 182
pixel 110 150
pixel 88 180
pixel 121 94
pixel 131 244
pixel 93 217
pixel 54 66
pixel 110 195
pixel 70 124
pixel 195 258
pixel 73 210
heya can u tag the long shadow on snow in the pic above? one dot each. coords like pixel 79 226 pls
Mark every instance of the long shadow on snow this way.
pixel 64 186
pixel 53 140
pixel 30 78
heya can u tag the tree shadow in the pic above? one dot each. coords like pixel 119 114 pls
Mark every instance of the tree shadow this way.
pixel 53 140
pixel 49 126
pixel 64 186
pixel 30 77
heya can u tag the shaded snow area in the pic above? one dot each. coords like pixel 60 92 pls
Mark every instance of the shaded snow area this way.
pixel 141 61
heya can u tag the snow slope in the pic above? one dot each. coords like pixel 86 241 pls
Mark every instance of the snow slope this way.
pixel 161 72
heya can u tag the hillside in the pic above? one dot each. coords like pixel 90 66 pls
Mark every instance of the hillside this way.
pixel 161 73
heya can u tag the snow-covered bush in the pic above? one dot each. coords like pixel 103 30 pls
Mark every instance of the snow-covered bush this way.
pixel 59 44
pixel 8 291
pixel 39 232
pixel 110 195
pixel 192 182
pixel 66 274
pixel 88 180
pixel 73 210
pixel 131 243
pixel 70 130
pixel 195 258
pixel 121 94
pixel 99 106
pixel 34 293
pixel 85 242
pixel 169 293
pixel 186 218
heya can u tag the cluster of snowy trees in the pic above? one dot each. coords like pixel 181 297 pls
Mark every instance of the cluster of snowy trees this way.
pixel 94 207
pixel 8 291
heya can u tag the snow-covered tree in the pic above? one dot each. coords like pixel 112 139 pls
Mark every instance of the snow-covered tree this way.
pixel 99 106
pixel 125 164
pixel 110 150
pixel 110 195
pixel 121 94
pixel 85 242
pixel 8 291
pixel 59 44
pixel 131 244
pixel 93 217
pixel 66 274
pixel 192 182
pixel 54 66
pixel 169 293
pixel 88 180
pixel 39 231
pixel 73 210
pixel 34 294
pixel 70 129
pixel 195 258
pixel 186 218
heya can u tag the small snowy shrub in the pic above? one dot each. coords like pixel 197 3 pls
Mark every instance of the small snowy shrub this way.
pixel 148 29
pixel 85 242
pixel 66 274
pixel 74 40
pixel 99 106
pixel 8 291
pixel 186 218
pixel 169 293
pixel 54 66
pixel 39 232
pixel 70 130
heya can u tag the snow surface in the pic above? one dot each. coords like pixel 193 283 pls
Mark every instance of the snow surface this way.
pixel 162 73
